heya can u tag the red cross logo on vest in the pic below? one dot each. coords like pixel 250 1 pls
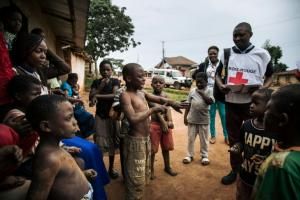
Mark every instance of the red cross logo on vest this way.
pixel 238 79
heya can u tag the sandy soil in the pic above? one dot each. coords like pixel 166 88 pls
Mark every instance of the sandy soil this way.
pixel 194 181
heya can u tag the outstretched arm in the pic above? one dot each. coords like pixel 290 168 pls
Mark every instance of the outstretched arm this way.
pixel 136 117
pixel 163 101
pixel 44 173
pixel 57 66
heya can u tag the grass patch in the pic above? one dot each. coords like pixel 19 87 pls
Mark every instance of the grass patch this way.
pixel 87 83
pixel 176 95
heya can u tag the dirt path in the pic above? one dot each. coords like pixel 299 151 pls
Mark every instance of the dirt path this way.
pixel 194 181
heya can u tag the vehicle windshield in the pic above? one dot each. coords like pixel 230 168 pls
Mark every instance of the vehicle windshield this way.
pixel 176 74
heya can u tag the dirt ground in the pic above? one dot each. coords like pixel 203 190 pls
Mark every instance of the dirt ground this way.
pixel 194 181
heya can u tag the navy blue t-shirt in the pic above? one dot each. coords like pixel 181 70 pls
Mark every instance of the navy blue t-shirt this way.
pixel 257 146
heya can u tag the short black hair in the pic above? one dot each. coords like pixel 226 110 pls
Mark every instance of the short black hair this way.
pixel 287 100
pixel 20 84
pixel 213 47
pixel 43 108
pixel 201 75
pixel 129 68
pixel 105 62
pixel 266 92
pixel 157 77
pixel 245 25
pixel 72 76
pixel 37 31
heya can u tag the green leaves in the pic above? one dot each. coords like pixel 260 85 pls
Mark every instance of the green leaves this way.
pixel 109 29
pixel 276 54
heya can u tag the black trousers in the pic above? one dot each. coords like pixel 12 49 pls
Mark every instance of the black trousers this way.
pixel 235 115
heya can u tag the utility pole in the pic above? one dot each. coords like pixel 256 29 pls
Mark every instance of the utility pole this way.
pixel 163 49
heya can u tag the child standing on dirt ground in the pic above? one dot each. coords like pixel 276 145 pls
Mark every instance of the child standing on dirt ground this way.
pixel 161 129
pixel 279 176
pixel 102 93
pixel 55 173
pixel 255 144
pixel 196 117
pixel 137 145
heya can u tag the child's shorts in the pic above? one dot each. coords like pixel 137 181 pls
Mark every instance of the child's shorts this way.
pixel 158 137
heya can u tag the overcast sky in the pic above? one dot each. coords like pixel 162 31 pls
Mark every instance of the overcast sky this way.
pixel 189 27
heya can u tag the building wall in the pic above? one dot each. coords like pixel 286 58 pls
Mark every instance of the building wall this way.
pixel 32 11
pixel 78 66
pixel 36 19
pixel 287 79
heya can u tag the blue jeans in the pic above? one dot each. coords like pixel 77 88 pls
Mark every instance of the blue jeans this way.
pixel 212 111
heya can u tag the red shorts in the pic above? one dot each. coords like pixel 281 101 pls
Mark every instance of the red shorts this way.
pixel 157 136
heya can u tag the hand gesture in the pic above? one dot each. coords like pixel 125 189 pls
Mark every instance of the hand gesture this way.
pixel 72 150
pixel 235 149
pixel 90 174
pixel 164 126
pixel 103 83
pixel 159 109
pixel 176 106
pixel 185 104
pixel 93 101
pixel 224 89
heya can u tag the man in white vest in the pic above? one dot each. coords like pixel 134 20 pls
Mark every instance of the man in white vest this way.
pixel 249 68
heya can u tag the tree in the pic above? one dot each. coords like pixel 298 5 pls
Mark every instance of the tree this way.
pixel 276 54
pixel 117 63
pixel 108 29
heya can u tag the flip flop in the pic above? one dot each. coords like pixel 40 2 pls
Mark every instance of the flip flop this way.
pixel 187 160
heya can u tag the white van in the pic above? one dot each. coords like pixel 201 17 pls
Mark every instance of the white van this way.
pixel 173 77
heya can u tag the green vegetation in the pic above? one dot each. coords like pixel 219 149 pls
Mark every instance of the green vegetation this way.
pixel 109 29
pixel 276 54
pixel 176 95
pixel 87 83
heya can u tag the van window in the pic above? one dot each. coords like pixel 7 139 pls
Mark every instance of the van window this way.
pixel 160 73
pixel 169 74
pixel 176 74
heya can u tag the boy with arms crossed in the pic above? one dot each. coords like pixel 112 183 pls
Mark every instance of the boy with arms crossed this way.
pixel 137 144
pixel 55 173
pixel 161 129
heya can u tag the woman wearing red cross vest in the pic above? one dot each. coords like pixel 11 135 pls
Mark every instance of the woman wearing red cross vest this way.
pixel 249 68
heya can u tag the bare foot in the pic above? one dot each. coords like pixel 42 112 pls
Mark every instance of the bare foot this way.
pixel 170 171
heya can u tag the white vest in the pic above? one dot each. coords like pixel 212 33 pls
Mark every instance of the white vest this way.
pixel 248 69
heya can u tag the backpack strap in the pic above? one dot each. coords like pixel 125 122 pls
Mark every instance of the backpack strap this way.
pixel 225 66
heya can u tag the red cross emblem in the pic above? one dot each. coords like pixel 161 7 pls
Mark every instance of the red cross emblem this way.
pixel 238 79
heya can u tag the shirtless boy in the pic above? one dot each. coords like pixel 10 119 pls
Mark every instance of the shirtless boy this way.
pixel 137 145
pixel 55 173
